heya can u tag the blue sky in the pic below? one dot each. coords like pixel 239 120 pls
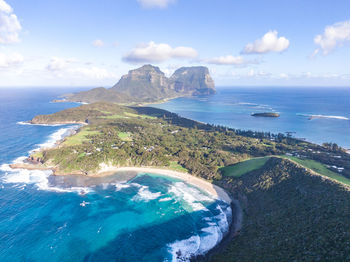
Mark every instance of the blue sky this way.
pixel 253 43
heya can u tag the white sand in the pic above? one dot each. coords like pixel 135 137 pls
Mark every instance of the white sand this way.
pixel 216 191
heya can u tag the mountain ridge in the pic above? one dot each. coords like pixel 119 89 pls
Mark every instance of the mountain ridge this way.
pixel 149 84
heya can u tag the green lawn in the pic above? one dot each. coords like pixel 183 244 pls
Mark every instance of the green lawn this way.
pixel 319 168
pixel 38 154
pixel 136 115
pixel 244 167
pixel 116 116
pixel 177 167
pixel 124 136
pixel 79 137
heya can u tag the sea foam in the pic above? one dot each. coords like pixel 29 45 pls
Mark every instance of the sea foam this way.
pixel 144 194
pixel 217 223
pixel 324 116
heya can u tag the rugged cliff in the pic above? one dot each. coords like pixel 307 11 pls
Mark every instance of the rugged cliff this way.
pixel 149 84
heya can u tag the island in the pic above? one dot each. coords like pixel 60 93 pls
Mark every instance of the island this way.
pixel 279 185
pixel 266 114
pixel 148 84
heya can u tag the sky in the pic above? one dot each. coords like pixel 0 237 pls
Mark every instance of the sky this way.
pixel 92 43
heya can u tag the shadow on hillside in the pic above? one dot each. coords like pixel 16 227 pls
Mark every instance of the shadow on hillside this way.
pixel 172 118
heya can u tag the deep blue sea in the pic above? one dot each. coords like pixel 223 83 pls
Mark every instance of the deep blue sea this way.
pixel 126 217
pixel 330 108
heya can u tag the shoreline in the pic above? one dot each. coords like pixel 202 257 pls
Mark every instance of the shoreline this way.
pixel 211 189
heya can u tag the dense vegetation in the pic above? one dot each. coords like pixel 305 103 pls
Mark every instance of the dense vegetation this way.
pixel 145 136
pixel 290 214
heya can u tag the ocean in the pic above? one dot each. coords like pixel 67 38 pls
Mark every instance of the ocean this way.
pixel 136 217
pixel 126 217
pixel 328 108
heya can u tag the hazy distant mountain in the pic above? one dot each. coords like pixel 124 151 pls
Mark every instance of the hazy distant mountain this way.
pixel 149 84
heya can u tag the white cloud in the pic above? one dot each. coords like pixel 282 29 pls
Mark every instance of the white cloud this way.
pixel 270 42
pixel 333 36
pixel 98 43
pixel 8 60
pixel 9 24
pixel 155 3
pixel 152 52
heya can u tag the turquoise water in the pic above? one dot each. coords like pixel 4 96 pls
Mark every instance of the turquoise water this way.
pixel 232 106
pixel 125 217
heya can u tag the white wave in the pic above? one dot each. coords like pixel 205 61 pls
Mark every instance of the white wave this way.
pixel 145 195
pixel 121 186
pixel 224 218
pixel 26 123
pixel 57 136
pixel 192 196
pixel 40 178
pixel 209 236
pixel 325 116
pixel 183 250
pixel 165 199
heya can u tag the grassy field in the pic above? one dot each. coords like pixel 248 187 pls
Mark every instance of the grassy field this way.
pixel 244 167
pixel 115 116
pixel 319 168
pixel 79 137
pixel 37 154
pixel 177 167
pixel 142 116
pixel 124 136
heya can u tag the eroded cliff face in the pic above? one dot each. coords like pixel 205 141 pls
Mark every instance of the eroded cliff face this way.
pixel 193 81
pixel 146 83
pixel 149 84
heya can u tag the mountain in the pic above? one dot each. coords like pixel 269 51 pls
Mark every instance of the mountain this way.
pixel 149 84
pixel 193 80
pixel 146 83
